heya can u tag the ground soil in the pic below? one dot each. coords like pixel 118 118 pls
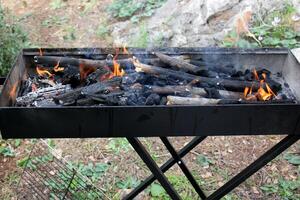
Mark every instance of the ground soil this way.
pixel 228 154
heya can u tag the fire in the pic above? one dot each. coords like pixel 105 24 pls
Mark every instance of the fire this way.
pixel 13 91
pixel 262 94
pixel 85 71
pixel 43 72
pixel 57 68
pixel 117 71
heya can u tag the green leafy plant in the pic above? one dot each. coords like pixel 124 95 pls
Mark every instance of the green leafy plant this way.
pixel 133 9
pixel 129 182
pixel 272 29
pixel 292 158
pixel 203 161
pixel 7 151
pixel 13 38
pixel 118 144
pixel 285 189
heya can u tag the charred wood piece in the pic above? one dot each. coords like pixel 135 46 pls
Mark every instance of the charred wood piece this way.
pixel 68 62
pixel 40 94
pixel 178 63
pixel 174 90
pixel 103 86
pixel 235 85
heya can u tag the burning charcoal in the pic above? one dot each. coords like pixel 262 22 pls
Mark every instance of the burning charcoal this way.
pixel 132 78
pixel 212 93
pixel 153 99
pixel 163 101
pixel 208 73
pixel 237 74
pixel 102 86
pixel 248 75
pixel 97 75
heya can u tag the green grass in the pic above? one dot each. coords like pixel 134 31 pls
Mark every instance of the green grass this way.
pixel 272 29
pixel 13 38
pixel 132 9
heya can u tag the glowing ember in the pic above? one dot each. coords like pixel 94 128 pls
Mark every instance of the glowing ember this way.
pixel 43 72
pixel 85 71
pixel 57 68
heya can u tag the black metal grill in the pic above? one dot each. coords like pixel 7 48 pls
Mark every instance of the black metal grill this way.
pixel 46 176
pixel 149 121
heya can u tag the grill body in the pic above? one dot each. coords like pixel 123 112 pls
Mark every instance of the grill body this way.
pixel 147 121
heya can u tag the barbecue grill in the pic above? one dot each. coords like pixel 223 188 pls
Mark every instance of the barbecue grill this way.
pixel 161 120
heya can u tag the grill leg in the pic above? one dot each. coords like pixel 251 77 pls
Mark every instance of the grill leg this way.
pixel 185 150
pixel 183 167
pixel 255 166
pixel 145 156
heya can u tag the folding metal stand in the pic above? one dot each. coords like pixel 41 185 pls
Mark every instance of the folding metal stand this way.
pixel 158 172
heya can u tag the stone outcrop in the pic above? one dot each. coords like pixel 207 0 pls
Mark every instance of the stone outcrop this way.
pixel 191 22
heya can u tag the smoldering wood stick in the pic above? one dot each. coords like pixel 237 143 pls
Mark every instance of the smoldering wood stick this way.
pixel 90 89
pixel 179 63
pixel 171 89
pixel 67 61
pixel 197 101
pixel 235 85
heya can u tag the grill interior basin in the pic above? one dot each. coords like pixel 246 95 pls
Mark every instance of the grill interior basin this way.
pixel 107 92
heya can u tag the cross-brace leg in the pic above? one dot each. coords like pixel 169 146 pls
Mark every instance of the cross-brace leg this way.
pixel 185 150
pixel 158 173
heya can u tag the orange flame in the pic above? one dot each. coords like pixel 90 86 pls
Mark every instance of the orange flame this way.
pixel 85 71
pixel 255 74
pixel 57 68
pixel 117 69
pixel 13 91
pixel 43 72
pixel 246 90
pixel 261 94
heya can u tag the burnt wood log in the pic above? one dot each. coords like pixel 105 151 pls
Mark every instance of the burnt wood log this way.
pixel 103 86
pixel 173 90
pixel 180 64
pixel 67 61
pixel 197 101
pixel 41 94
pixel 200 101
pixel 235 85
pixel 217 67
